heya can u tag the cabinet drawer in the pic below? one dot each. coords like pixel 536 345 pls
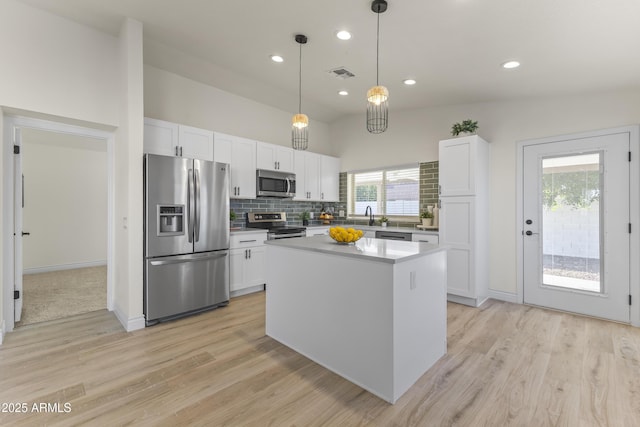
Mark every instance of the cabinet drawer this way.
pixel 245 240
pixel 426 238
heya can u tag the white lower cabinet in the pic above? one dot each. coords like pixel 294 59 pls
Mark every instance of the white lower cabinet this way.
pixel 318 231
pixel 426 238
pixel 247 262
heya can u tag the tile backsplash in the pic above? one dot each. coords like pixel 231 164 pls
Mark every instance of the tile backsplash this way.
pixel 293 209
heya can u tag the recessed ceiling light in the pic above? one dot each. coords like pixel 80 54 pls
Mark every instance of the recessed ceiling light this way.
pixel 511 64
pixel 409 82
pixel 277 58
pixel 343 93
pixel 343 35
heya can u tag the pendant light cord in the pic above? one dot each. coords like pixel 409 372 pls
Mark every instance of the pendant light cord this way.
pixel 377 48
pixel 300 83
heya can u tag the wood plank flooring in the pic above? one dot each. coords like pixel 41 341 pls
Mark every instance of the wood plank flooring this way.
pixel 507 365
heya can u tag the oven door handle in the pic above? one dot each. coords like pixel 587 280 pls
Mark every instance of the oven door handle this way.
pixel 288 185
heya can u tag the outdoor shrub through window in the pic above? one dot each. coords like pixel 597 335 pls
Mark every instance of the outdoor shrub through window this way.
pixel 393 192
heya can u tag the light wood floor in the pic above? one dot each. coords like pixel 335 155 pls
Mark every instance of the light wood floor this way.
pixel 507 364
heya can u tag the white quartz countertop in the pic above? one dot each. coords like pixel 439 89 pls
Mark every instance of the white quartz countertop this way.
pixel 380 250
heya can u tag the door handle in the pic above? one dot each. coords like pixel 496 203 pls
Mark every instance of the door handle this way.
pixel 196 190
pixel 529 233
pixel 25 233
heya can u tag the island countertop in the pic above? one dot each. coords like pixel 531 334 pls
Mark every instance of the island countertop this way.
pixel 381 250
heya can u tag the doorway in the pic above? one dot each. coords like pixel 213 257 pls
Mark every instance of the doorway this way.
pixel 73 153
pixel 64 223
pixel 576 216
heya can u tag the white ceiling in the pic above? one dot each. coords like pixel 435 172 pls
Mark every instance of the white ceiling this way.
pixel 453 48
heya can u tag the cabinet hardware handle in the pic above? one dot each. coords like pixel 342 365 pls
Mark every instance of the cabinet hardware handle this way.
pixel 248 241
pixel 180 151
pixel 249 253
pixel 176 150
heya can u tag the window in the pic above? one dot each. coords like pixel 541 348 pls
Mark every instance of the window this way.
pixel 393 192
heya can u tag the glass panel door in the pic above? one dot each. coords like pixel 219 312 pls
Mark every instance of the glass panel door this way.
pixel 575 225
pixel 571 231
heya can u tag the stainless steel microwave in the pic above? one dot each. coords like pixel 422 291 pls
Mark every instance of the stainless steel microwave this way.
pixel 275 184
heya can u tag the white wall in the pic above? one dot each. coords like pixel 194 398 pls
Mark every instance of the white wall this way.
pixel 128 292
pixel 171 97
pixel 63 71
pixel 4 241
pixel 65 208
pixel 54 66
pixel 414 135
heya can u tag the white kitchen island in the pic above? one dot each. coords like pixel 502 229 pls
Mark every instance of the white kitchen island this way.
pixel 373 312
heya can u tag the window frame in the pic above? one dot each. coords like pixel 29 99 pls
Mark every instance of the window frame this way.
pixel 385 170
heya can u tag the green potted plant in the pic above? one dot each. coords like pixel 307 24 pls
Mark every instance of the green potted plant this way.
pixel 383 221
pixel 427 218
pixel 466 127
pixel 305 216
pixel 232 215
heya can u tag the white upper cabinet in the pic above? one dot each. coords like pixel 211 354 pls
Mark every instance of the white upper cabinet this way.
pixel 329 178
pixel 274 157
pixel 307 170
pixel 171 139
pixel 160 137
pixel 458 172
pixel 317 177
pixel 240 153
pixel 196 143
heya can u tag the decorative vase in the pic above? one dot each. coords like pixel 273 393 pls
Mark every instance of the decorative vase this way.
pixel 305 222
pixel 427 222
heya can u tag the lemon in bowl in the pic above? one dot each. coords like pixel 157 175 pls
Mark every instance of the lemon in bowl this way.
pixel 345 235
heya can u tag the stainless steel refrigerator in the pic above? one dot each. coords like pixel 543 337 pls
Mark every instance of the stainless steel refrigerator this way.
pixel 186 233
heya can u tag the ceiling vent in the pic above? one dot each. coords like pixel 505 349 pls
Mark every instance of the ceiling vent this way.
pixel 341 73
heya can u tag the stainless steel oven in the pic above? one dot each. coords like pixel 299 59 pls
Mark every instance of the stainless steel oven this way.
pixel 276 224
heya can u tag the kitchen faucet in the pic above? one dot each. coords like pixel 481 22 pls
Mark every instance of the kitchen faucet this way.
pixel 371 216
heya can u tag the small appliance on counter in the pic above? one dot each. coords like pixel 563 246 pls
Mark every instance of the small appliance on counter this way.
pixel 276 224
pixel 186 236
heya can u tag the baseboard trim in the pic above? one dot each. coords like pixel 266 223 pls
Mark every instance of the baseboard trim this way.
pixel 49 268
pixel 246 291
pixel 129 324
pixel 471 302
pixel 504 296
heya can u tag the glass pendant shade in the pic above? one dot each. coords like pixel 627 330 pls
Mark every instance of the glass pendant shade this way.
pixel 300 132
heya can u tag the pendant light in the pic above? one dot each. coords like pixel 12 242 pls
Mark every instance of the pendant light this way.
pixel 378 96
pixel 300 122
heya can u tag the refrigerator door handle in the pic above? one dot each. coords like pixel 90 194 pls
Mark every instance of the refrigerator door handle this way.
pixel 189 258
pixel 190 207
pixel 197 204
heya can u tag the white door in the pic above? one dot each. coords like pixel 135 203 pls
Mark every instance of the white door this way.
pixel 18 233
pixel 576 226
